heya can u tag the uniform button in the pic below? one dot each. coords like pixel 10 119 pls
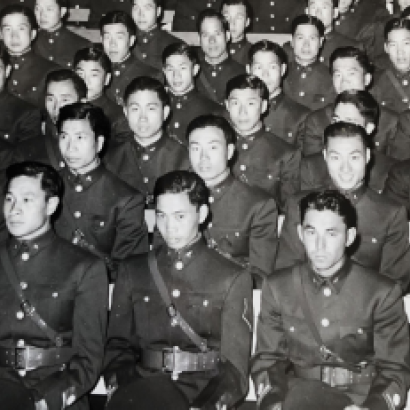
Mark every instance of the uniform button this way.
pixel 337 23
pixel 377 143
pixel 146 180
pixel 146 298
pixel 210 225
pixel 34 89
pixel 68 64
pixel 117 73
pixel 290 135
pixel 25 256
pixel 236 234
pixel 6 136
pixel 374 240
pixel 321 59
pixel 213 74
pixel 51 40
pixel 360 331
pixel 405 82
pixel 383 103
pixel 272 16
pixel 327 291
pixel 51 58
pixel 178 106
pixel 303 75
pixel 302 93
pixel 20 315
pixel 176 125
pixel 54 295
pixel 23 285
pixel 145 157
pixel 176 293
pixel 102 223
pixel 405 100
pixel 21 343
pixel 15 82
pixel 77 214
pixel 206 303
pixel 270 176
pixel 144 56
pixel 232 51
pixel 16 66
pixel 291 329
pixel 145 40
pixel 117 90
pixel 272 3
pixel 272 28
pixel 62 164
pixel 179 265
pixel 245 146
pixel 79 188
pixel 192 17
pixel 209 5
pixel 325 322
pixel 22 373
pixel 242 167
pixel 211 199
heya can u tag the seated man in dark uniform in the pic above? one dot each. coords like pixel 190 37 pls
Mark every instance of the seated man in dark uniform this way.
pixel 284 116
pixel 181 66
pixel 18 30
pixel 53 300
pixel 238 15
pixel 262 159
pixel 118 34
pixel 151 39
pixel 217 67
pixel 54 41
pixel 180 329
pixel 308 81
pixel 243 219
pixel 383 231
pixel 145 153
pixel 100 212
pixel 332 334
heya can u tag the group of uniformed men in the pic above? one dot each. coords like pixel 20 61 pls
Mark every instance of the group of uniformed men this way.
pixel 217 141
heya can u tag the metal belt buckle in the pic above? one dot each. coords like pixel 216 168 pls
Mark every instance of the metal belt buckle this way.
pixel 170 363
pixel 26 358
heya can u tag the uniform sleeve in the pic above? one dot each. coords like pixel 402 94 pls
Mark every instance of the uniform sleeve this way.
pixel 395 261
pixel 271 358
pixel 290 176
pixel 290 250
pixel 313 174
pixel 131 231
pixel 89 330
pixel 301 131
pixel 264 237
pixel 400 147
pixel 231 383
pixel 391 346
pixel 28 125
pixel 398 186
pixel 313 138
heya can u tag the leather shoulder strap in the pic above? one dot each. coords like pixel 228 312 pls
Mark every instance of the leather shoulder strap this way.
pixel 208 88
pixel 397 86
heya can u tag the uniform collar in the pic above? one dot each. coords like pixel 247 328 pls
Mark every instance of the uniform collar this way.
pixel 81 182
pixel 26 249
pixel 182 98
pixel 240 44
pixel 219 190
pixel 335 282
pixel 144 37
pixel 219 66
pixel 155 146
pixel 306 68
pixel 23 58
pixel 251 137
pixel 124 63
pixel 401 76
pixel 52 34
pixel 181 258
pixel 355 195
pixel 276 100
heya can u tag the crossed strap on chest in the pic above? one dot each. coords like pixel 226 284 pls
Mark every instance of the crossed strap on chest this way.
pixel 397 86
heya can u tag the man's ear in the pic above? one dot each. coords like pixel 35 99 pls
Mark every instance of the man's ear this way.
pixel 159 11
pixel 203 213
pixel 368 155
pixel 228 36
pixel 367 79
pixel 8 70
pixel 100 142
pixel 324 153
pixel 248 69
pixel 125 111
pixel 300 232
pixel 335 13
pixel 351 236
pixel 370 127
pixel 247 22
pixel 283 69
pixel 321 41
pixel 63 11
pixel 167 110
pixel 231 150
pixel 132 41
pixel 107 79
pixel 196 69
pixel 33 34
pixel 264 106
pixel 52 205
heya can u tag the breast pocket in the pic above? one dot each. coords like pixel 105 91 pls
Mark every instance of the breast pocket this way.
pixel 267 178
pixel 233 241
pixel 356 341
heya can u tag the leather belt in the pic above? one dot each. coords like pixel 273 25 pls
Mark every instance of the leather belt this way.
pixel 177 361
pixel 30 357
pixel 336 376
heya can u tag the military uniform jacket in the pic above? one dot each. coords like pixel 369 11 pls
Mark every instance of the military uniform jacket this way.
pixel 286 118
pixel 239 51
pixel 18 120
pixel 275 16
pixel 243 225
pixel 398 184
pixel 107 211
pixel 123 73
pixel 59 46
pixel 113 111
pixel 212 294
pixel 140 166
pixel 311 85
pixel 27 78
pixel 150 45
pixel 383 235
pixel 187 12
pixel 99 8
pixel 359 316
pixel 212 79
pixel 384 140
pixel 185 108
pixel 402 137
pixel 68 288
pixel 265 161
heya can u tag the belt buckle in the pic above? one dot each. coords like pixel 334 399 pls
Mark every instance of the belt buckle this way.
pixel 167 353
pixel 26 358
pixel 335 376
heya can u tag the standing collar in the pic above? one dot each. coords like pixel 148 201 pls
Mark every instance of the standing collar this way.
pixel 30 247
pixel 83 181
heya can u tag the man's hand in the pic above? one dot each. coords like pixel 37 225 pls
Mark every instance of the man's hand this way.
pixel 354 407
pixel 41 405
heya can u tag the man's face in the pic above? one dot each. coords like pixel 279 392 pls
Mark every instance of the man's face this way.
pixel 180 73
pixel 323 10
pixel 4 73
pixel 78 145
pixel 213 38
pixel 209 153
pixel 26 210
pixel 145 113
pixel 17 33
pixel 245 108
pixel 403 4
pixel 116 41
pixel 325 237
pixel 346 159
pixel 267 67
pixel 94 77
pixel 348 74
pixel 306 43
pixel 397 47
pixel 48 14
pixel 236 16
pixel 344 5
pixel 178 219
pixel 59 94
pixel 145 14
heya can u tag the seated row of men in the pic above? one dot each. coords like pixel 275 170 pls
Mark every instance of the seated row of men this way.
pixel 332 334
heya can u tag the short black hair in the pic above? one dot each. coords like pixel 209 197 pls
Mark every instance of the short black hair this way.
pixel 245 3
pixel 4 55
pixel 51 181
pixel 158 3
pixel 118 17
pixel 351 52
pixel 335 3
pixel 210 120
pixel 267 46
pixel 65 74
pixel 329 200
pixel 309 20
pixel 19 9
pixel 244 81
pixel 146 83
pixel 211 13
pixel 176 182
pixel 343 129
pixel 93 53
pixel 99 122
pixel 395 24
pixel 181 49
pixel 363 101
